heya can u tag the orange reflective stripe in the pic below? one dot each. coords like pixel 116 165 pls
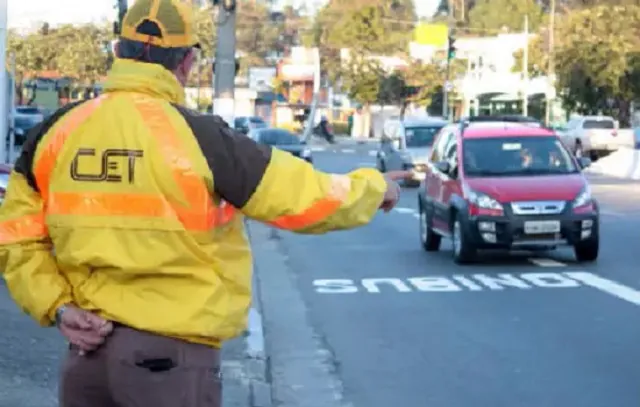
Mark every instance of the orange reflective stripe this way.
pixel 316 213
pixel 112 204
pixel 339 192
pixel 70 122
pixel 199 213
pixel 22 228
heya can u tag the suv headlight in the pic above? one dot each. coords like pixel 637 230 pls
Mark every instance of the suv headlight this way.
pixel 583 198
pixel 482 200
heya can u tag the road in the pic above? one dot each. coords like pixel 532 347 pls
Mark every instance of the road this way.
pixel 410 328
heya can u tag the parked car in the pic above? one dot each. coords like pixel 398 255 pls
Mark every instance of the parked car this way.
pixel 283 140
pixel 406 145
pixel 25 118
pixel 506 185
pixel 595 136
pixel 245 124
pixel 5 170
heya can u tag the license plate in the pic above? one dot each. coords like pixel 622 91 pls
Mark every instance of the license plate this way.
pixel 541 227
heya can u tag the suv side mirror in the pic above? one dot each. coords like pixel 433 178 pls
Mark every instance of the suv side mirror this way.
pixel 584 162
pixel 443 166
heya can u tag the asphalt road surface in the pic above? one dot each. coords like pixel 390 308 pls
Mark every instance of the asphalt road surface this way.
pixel 410 328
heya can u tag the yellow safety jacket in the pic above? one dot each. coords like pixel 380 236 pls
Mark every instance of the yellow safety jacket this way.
pixel 131 206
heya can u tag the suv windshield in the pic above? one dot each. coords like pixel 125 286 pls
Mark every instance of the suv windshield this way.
pixel 516 156
pixel 421 136
pixel 604 124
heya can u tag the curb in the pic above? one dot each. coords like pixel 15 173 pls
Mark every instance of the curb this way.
pixel 257 363
pixel 301 369
pixel 624 163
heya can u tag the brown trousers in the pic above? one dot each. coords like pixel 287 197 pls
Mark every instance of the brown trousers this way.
pixel 139 369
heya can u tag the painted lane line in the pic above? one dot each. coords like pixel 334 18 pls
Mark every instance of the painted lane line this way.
pixel 546 262
pixel 608 286
pixel 416 215
pixel 405 210
pixel 348 151
pixel 373 153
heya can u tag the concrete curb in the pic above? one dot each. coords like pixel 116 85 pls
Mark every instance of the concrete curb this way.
pixel 301 370
pixel 624 163
pixel 257 361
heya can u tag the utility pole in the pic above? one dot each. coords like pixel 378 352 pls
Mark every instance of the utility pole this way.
pixel 122 10
pixel 4 82
pixel 551 69
pixel 525 69
pixel 12 109
pixel 451 49
pixel 225 61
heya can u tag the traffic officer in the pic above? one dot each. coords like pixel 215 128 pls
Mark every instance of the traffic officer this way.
pixel 143 201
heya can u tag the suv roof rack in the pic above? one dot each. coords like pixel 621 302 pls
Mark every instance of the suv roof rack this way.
pixel 466 121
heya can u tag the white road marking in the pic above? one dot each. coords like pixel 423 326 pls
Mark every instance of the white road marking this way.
pixel 348 150
pixel 416 215
pixel 316 149
pixel 457 283
pixel 546 262
pixel 608 286
pixel 367 165
pixel 405 210
pixel 373 153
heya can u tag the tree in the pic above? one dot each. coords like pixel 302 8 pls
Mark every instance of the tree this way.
pixel 538 57
pixel 82 51
pixel 492 16
pixel 360 77
pixel 598 67
pixel 385 27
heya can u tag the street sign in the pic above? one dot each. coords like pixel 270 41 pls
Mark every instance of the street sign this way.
pixel 431 34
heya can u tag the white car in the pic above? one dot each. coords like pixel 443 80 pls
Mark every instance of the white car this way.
pixel 595 136
pixel 406 145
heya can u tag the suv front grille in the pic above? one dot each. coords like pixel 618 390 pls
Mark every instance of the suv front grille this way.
pixel 538 207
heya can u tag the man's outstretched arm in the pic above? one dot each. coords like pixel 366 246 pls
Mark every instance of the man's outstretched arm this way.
pixel 275 187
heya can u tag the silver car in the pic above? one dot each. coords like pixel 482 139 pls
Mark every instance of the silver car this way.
pixel 406 145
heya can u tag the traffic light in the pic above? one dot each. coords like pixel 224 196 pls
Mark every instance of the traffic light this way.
pixel 451 52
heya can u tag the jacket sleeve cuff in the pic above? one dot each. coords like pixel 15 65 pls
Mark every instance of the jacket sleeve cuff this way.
pixel 63 300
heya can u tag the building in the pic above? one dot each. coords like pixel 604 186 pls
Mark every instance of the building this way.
pixel 490 83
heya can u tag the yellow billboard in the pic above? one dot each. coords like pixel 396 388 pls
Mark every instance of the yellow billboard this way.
pixel 431 34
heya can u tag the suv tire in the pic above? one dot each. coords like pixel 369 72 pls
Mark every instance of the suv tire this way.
pixel 430 240
pixel 587 251
pixel 463 250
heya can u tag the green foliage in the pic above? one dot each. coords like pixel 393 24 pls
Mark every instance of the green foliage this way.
pixel 538 58
pixel 360 78
pixel 492 16
pixel 597 65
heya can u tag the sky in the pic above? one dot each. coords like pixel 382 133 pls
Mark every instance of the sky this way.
pixel 27 13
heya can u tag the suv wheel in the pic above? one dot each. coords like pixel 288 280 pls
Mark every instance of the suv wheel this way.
pixel 587 251
pixel 429 239
pixel 463 250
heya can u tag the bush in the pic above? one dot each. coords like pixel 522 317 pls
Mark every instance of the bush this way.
pixel 340 128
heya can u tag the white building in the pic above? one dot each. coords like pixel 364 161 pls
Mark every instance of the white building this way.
pixel 490 82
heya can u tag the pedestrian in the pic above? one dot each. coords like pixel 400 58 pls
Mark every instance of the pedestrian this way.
pixel 123 223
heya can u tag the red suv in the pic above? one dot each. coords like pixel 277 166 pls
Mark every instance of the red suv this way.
pixel 506 185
